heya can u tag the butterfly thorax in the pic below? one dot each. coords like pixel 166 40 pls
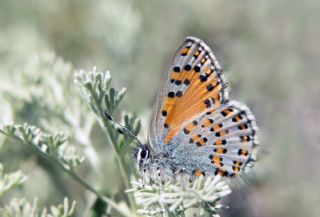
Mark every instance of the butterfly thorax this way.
pixel 166 163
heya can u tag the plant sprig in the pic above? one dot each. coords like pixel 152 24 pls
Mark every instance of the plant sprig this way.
pixel 10 180
pixel 175 198
pixel 168 199
pixel 95 89
pixel 54 148
pixel 51 146
pixel 22 208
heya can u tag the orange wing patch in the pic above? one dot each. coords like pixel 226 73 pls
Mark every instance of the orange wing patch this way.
pixel 185 50
pixel 236 166
pixel 198 173
pixel 207 123
pixel 220 150
pixel 216 160
pixel 196 84
pixel 202 94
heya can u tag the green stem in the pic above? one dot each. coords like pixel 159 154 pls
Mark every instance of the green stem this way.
pixel 122 164
pixel 182 214
pixel 71 173
pixel 119 157
pixel 86 185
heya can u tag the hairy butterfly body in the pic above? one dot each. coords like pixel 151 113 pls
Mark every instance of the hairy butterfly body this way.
pixel 195 129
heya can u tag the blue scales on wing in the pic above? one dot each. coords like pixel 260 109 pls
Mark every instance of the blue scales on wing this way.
pixel 225 140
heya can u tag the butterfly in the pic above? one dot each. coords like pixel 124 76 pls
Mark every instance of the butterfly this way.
pixel 195 128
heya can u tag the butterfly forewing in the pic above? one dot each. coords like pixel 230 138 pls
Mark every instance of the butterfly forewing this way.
pixel 193 83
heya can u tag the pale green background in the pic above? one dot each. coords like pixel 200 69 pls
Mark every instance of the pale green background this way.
pixel 270 51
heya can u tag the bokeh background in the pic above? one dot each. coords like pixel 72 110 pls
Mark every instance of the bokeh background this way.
pixel 269 50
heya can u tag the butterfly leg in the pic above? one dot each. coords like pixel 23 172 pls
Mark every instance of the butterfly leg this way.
pixel 181 171
pixel 182 177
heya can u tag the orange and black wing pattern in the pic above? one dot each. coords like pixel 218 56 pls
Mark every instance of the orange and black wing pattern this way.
pixel 193 84
pixel 193 115
pixel 225 137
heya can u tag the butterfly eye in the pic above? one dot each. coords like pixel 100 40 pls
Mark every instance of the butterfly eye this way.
pixel 144 153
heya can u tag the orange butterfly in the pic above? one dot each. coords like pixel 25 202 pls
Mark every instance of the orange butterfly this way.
pixel 195 128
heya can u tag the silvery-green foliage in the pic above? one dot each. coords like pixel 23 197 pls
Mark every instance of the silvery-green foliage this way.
pixel 51 146
pixel 55 149
pixel 22 208
pixel 10 180
pixel 41 81
pixel 94 87
pixel 43 94
pixel 69 113
pixel 43 87
pixel 176 199
pixel 44 83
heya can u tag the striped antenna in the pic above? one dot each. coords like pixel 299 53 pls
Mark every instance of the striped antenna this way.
pixel 120 128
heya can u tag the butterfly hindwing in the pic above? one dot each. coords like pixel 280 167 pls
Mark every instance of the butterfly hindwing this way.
pixel 225 136
pixel 194 83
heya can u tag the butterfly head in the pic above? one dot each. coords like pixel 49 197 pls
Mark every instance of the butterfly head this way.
pixel 142 156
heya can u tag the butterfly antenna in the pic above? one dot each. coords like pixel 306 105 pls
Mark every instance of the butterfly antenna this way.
pixel 120 128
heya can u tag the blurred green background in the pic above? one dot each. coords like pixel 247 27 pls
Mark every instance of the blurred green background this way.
pixel 270 52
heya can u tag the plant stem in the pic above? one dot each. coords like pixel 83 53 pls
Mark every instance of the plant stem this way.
pixel 121 162
pixel 182 214
pixel 119 157
pixel 99 194
pixel 71 173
